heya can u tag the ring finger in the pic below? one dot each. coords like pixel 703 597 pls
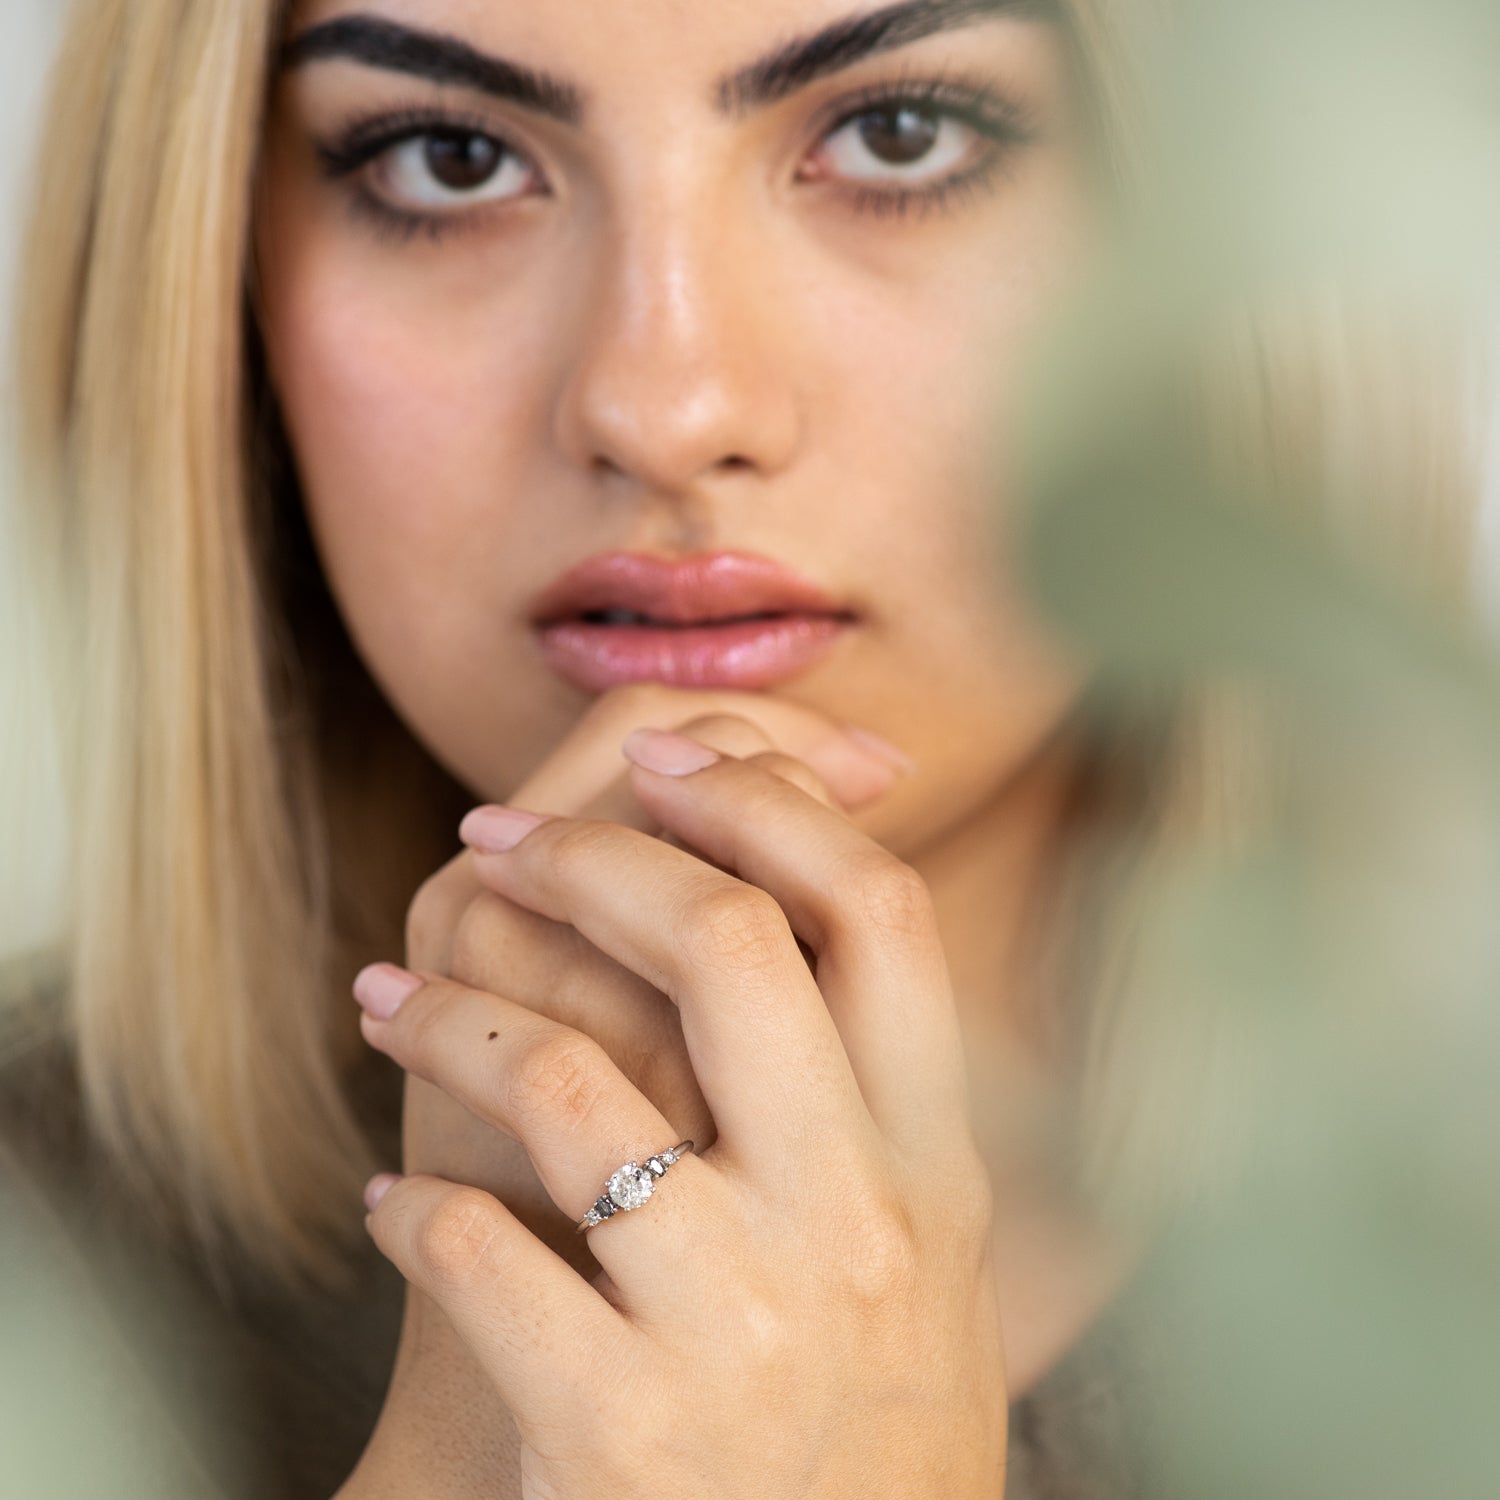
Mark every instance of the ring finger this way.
pixel 559 1094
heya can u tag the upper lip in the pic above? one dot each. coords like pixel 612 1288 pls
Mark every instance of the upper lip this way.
pixel 705 587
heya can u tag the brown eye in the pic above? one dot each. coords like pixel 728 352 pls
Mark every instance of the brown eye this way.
pixel 899 142
pixel 898 136
pixel 462 161
pixel 451 169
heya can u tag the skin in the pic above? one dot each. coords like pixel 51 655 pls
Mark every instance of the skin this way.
pixel 687 337
pixel 831 1331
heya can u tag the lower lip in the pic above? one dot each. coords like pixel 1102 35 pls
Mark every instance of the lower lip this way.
pixel 740 654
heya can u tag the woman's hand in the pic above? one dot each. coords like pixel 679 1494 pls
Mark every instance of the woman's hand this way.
pixel 443 1430
pixel 458 928
pixel 808 1307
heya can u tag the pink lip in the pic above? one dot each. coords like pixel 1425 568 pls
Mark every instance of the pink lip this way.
pixel 718 619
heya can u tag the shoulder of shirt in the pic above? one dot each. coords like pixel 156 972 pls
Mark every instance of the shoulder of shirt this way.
pixel 34 1021
pixel 33 989
pixel 41 1137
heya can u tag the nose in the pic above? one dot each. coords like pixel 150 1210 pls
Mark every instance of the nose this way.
pixel 681 369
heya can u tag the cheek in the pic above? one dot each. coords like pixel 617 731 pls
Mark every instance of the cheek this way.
pixel 410 423
pixel 933 380
pixel 383 415
pixel 411 428
pixel 970 678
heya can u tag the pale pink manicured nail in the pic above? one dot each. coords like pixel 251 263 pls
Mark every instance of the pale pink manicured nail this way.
pixel 378 1186
pixel 382 988
pixel 887 752
pixel 494 830
pixel 669 754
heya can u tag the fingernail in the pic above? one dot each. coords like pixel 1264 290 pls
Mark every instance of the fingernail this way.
pixel 668 754
pixel 382 989
pixel 887 752
pixel 378 1186
pixel 494 830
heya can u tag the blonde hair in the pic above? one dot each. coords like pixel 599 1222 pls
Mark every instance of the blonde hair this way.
pixel 206 941
pixel 215 718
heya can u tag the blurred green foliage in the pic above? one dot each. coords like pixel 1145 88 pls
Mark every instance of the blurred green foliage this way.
pixel 85 1410
pixel 1328 1325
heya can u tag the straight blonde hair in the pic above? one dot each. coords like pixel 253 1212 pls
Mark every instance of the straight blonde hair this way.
pixel 220 734
pixel 206 943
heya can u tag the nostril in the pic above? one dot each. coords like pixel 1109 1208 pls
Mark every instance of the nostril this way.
pixel 734 463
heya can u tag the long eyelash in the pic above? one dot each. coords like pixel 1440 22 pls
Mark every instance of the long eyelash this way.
pixel 1007 123
pixel 363 142
pixel 976 101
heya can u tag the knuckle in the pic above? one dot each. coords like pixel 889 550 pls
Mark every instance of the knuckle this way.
pixel 429 921
pixel 419 1025
pixel 457 1242
pixel 881 1265
pixel 889 895
pixel 798 773
pixel 731 734
pixel 969 1198
pixel 475 940
pixel 956 1194
pixel 579 844
pixel 765 1336
pixel 557 1081
pixel 734 926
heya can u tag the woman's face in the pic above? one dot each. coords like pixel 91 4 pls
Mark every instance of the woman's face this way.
pixel 694 296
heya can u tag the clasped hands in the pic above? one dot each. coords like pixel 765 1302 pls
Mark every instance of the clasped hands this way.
pixel 710 950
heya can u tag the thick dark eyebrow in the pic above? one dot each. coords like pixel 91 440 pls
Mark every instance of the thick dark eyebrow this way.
pixel 846 42
pixel 442 59
pixel 447 59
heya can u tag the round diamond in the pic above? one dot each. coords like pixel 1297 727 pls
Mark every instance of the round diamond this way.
pixel 631 1185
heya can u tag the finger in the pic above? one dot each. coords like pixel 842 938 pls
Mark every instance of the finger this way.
pixel 835 768
pixel 434 913
pixel 785 766
pixel 585 776
pixel 537 1328
pixel 865 914
pixel 550 968
pixel 730 734
pixel 440 907
pixel 763 1046
pixel 546 965
pixel 855 774
pixel 855 766
pixel 622 805
pixel 551 1088
pixel 793 772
